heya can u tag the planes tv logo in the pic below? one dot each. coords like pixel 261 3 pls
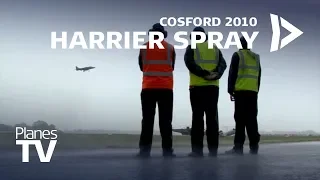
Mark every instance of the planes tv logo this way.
pixel 27 138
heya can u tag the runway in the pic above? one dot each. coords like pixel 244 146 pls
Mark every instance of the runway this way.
pixel 275 162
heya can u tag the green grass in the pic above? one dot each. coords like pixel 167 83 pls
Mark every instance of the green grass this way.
pixel 97 141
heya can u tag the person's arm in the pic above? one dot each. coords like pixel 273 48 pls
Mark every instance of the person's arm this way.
pixel 140 60
pixel 191 64
pixel 222 65
pixel 140 57
pixel 233 73
pixel 173 58
pixel 259 80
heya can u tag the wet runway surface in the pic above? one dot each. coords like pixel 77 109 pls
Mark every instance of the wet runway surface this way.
pixel 275 162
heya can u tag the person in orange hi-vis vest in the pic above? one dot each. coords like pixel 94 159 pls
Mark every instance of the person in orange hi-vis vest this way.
pixel 157 66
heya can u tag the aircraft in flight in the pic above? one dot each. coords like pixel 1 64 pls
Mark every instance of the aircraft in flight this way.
pixel 84 68
pixel 187 131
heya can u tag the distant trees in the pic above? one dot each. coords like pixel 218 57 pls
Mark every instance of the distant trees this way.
pixel 42 125
pixel 39 125
pixel 4 127
pixel 22 125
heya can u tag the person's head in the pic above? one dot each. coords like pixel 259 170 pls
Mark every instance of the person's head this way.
pixel 198 29
pixel 158 28
pixel 244 43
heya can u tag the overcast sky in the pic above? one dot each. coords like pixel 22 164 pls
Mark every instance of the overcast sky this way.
pixel 39 83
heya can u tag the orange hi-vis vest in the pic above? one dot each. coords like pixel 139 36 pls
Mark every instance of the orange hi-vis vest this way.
pixel 157 67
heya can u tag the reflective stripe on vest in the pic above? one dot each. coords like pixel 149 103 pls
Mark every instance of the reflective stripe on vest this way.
pixel 246 80
pixel 206 61
pixel 201 61
pixel 157 62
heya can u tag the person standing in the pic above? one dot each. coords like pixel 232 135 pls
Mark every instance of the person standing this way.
pixel 243 87
pixel 206 66
pixel 157 66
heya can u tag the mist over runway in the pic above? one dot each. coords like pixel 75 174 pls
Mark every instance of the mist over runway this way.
pixel 292 161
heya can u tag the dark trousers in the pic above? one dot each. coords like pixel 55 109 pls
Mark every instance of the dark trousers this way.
pixel 204 100
pixel 245 115
pixel 149 99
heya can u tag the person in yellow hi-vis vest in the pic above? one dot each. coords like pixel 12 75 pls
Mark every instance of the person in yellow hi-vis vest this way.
pixel 206 66
pixel 243 87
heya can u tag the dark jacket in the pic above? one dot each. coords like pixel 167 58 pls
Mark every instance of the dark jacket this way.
pixel 197 70
pixel 141 64
pixel 233 73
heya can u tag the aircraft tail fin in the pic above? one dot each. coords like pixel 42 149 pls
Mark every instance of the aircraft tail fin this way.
pixel 77 69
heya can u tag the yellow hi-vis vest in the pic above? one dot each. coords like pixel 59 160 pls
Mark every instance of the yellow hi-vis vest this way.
pixel 207 59
pixel 248 71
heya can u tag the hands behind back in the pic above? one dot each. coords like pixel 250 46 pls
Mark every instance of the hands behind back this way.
pixel 212 76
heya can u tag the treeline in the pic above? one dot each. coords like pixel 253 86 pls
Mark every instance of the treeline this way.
pixel 37 125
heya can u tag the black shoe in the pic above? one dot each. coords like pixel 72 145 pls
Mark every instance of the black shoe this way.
pixel 168 155
pixel 213 153
pixel 235 151
pixel 195 154
pixel 254 149
pixel 143 154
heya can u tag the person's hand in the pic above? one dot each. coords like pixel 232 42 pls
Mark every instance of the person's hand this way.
pixel 212 76
pixel 232 98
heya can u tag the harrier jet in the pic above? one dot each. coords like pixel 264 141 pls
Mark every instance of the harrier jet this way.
pixel 229 133
pixel 187 131
pixel 84 68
